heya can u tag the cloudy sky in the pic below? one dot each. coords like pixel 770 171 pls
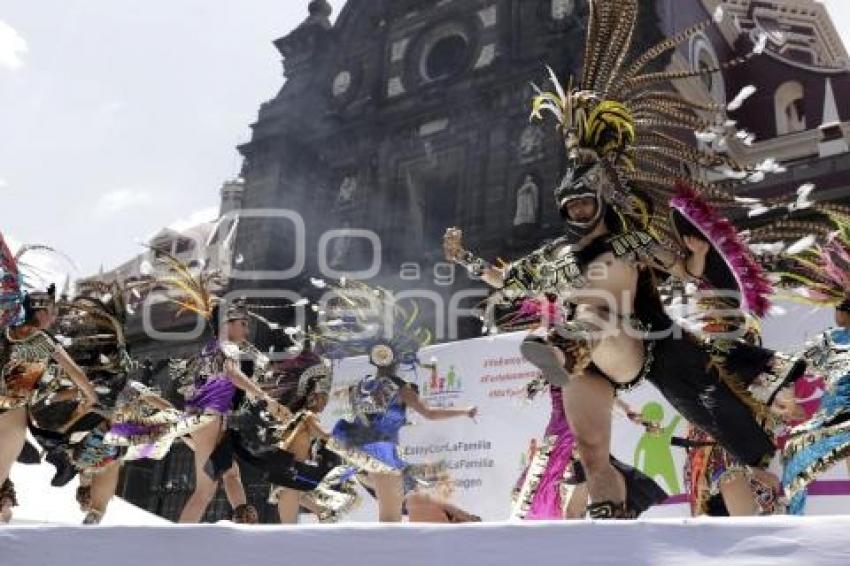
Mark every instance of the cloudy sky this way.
pixel 120 117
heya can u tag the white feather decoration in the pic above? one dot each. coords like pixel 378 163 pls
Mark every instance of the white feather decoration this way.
pixel 803 200
pixel 801 245
pixel 742 96
pixel 758 211
pixel 761 44
pixel 747 200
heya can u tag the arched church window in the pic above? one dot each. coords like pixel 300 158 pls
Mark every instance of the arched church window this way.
pixel 705 63
pixel 704 58
pixel 789 108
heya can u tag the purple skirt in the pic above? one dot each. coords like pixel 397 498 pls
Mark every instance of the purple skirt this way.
pixel 214 396
pixel 546 503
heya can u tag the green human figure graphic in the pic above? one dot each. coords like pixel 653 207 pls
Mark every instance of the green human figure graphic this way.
pixel 652 454
pixel 451 379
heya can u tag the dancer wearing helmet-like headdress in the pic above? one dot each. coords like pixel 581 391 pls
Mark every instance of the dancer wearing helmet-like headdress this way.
pixel 317 478
pixel 227 368
pixel 819 275
pixel 28 355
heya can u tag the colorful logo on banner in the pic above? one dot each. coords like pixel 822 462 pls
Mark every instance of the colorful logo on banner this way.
pixel 439 384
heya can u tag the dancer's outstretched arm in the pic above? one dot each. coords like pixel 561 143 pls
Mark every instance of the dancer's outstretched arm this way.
pixel 314 426
pixel 149 398
pixel 477 267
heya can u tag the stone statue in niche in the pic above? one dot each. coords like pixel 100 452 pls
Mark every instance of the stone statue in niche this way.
pixel 527 199
pixel 531 143
pixel 562 9
pixel 347 189
pixel 341 83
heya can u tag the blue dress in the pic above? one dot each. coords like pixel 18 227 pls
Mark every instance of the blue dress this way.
pixel 378 415
pixel 823 440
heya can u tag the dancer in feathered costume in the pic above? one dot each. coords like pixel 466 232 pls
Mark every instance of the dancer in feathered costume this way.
pixel 717 483
pixel 138 423
pixel 553 485
pixel 28 355
pixel 630 214
pixel 226 369
pixel 129 422
pixel 357 324
pixel 318 480
pixel 820 275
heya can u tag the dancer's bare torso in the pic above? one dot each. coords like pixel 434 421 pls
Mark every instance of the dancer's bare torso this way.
pixel 605 284
pixel 600 281
pixel 588 274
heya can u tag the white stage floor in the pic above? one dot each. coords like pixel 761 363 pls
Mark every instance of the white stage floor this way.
pixel 753 541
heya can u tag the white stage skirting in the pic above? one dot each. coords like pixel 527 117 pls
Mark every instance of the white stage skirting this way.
pixel 730 542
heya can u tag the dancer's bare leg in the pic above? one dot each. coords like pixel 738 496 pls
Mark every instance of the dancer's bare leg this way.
pixel 588 403
pixel 103 487
pixel 233 487
pixel 287 506
pixel 205 440
pixel 388 490
pixel 738 497
pixel 13 434
pixel 589 397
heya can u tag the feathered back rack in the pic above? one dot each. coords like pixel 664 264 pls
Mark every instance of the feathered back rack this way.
pixel 16 275
pixel 97 311
pixel 816 273
pixel 628 117
pixel 191 291
pixel 358 316
pixel 197 290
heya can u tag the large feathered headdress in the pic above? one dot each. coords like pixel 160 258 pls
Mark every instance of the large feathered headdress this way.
pixel 623 127
pixel 192 290
pixel 627 115
pixel 813 272
pixel 17 291
pixel 10 287
pixel 92 326
pixel 359 319
pixel 198 290
pixel 295 377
